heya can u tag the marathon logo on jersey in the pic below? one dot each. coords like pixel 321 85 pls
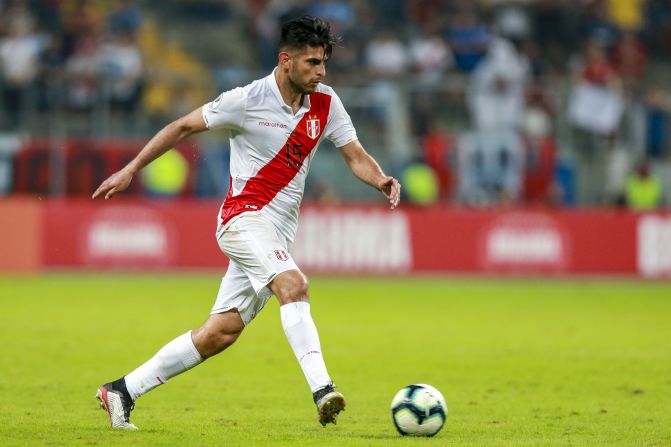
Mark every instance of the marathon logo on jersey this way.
pixel 281 255
pixel 313 127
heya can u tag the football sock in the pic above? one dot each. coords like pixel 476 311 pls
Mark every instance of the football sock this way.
pixel 304 340
pixel 174 358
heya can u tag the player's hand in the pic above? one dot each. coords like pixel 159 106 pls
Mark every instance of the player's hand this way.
pixel 117 182
pixel 391 189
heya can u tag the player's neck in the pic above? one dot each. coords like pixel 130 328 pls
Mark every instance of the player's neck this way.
pixel 291 96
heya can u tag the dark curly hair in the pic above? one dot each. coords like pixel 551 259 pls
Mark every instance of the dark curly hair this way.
pixel 308 31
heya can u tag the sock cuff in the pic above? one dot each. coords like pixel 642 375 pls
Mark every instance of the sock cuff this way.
pixel 192 357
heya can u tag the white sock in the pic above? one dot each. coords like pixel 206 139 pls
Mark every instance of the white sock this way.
pixel 304 340
pixel 174 358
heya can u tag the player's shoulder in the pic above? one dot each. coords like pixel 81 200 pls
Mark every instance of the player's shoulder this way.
pixel 257 90
pixel 325 89
pixel 256 87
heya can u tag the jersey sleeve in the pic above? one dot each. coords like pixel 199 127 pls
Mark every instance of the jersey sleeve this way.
pixel 228 110
pixel 339 128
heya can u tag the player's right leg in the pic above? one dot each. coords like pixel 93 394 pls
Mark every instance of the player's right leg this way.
pixel 218 332
pixel 118 397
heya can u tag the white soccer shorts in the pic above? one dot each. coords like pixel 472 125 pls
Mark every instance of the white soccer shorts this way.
pixel 257 256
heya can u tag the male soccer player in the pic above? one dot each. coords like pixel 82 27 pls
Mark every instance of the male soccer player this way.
pixel 275 126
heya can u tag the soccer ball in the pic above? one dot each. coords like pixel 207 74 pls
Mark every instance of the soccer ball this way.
pixel 418 410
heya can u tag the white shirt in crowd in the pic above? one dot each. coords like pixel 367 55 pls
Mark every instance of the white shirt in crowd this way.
pixel 497 90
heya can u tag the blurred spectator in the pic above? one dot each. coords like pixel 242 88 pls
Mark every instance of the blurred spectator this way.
pixel 125 18
pixel 596 26
pixel 20 66
pixel 82 70
pixel 595 110
pixel 595 68
pixel 386 59
pixel 396 55
pixel 491 164
pixel 468 37
pixel 122 67
pixel 643 191
pixel 438 151
pixel 84 20
pixel 386 55
pixel 430 55
pixel 629 58
pixel 51 76
pixel 658 108
pixel 498 87
pixel 513 21
pixel 492 160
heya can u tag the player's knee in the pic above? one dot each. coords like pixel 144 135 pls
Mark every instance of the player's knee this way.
pixel 291 286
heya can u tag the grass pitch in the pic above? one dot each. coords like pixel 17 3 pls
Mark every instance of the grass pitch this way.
pixel 521 363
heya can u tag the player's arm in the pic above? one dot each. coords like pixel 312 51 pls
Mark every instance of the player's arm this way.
pixel 368 171
pixel 163 141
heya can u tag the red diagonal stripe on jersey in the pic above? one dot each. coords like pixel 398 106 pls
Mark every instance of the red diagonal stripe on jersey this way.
pixel 276 175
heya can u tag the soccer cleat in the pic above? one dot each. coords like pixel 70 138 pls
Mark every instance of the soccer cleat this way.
pixel 329 404
pixel 114 398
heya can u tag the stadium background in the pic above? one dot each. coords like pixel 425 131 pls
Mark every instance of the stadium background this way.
pixel 520 130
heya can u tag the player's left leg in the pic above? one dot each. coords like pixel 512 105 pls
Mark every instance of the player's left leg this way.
pixel 291 289
pixel 255 248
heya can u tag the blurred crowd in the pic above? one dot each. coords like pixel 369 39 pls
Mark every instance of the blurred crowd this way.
pixel 68 56
pixel 517 101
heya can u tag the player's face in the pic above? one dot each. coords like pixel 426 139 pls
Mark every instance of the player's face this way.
pixel 307 69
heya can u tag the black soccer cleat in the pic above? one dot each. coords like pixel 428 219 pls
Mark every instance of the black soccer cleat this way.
pixel 329 404
pixel 114 398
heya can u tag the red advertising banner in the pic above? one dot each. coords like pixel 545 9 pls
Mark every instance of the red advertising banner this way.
pixel 524 241
pixel 129 233
pixel 463 240
pixel 367 239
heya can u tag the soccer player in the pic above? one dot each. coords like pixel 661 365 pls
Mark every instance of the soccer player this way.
pixel 275 125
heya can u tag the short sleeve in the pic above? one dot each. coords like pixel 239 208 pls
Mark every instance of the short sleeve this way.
pixel 339 128
pixel 228 110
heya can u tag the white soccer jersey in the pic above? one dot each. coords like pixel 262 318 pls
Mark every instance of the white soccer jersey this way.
pixel 271 148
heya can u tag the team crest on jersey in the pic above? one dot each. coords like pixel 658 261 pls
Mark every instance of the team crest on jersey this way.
pixel 281 255
pixel 313 127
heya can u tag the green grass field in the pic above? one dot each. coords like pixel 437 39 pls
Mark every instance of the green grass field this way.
pixel 521 363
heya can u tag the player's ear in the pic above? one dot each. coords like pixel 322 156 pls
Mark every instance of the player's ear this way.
pixel 284 59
